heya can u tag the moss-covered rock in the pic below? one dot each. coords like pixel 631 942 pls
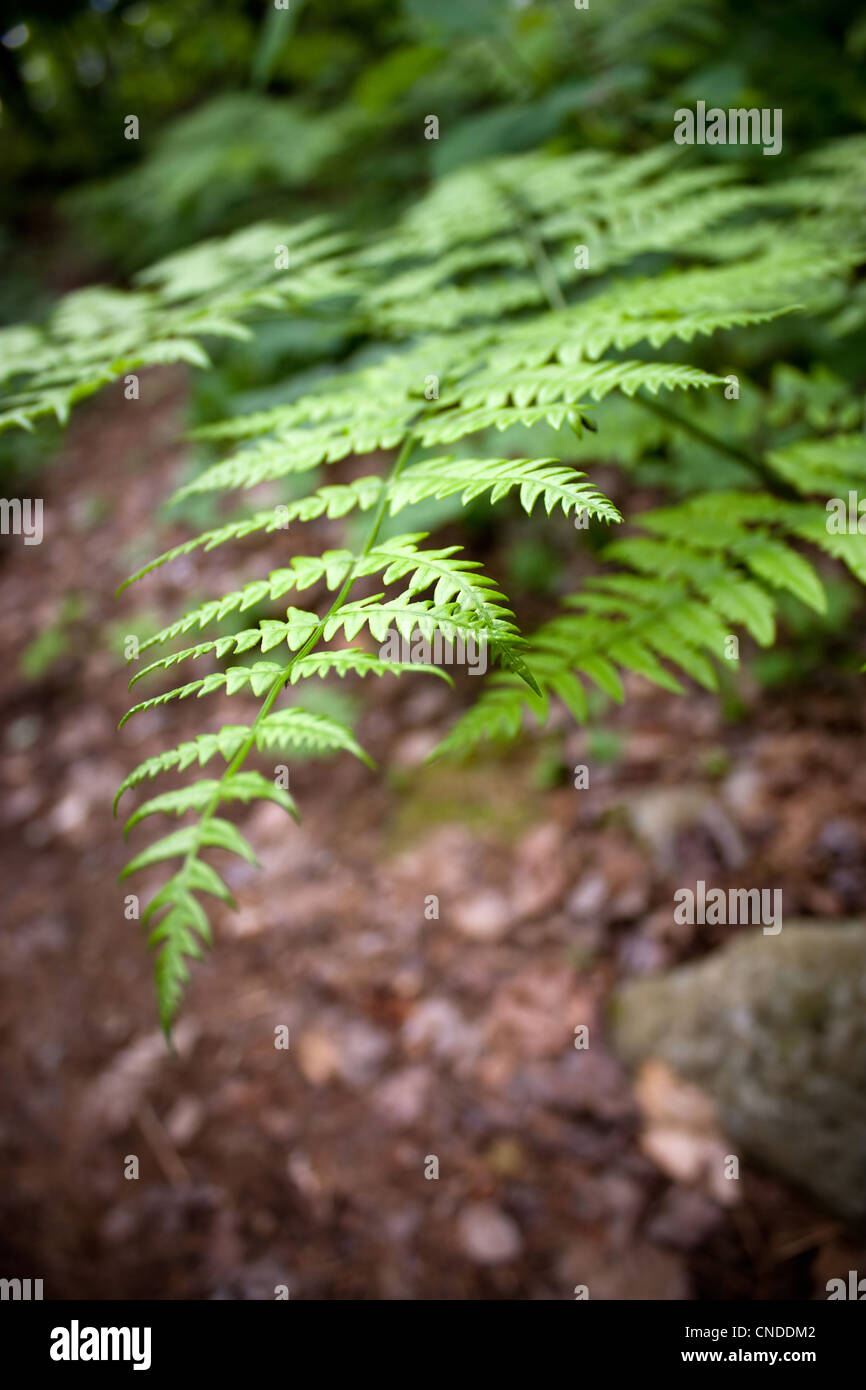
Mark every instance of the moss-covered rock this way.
pixel 774 1029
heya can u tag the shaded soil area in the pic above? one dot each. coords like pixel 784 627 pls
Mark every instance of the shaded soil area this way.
pixel 416 1041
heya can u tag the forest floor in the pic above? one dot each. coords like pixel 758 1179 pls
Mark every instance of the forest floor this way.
pixel 411 1038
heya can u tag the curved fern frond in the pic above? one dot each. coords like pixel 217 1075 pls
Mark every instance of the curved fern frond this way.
pixel 333 500
pixel 288 729
pixel 261 675
pixel 97 335
pixel 301 573
pixel 299 451
pixel 715 560
pixel 485 265
pixel 243 787
pixel 544 479
pixel 574 382
pixel 395 559
pixel 829 465
pixel 525 291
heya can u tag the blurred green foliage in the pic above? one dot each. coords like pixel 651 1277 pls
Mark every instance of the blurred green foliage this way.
pixel 247 112
pixel 241 105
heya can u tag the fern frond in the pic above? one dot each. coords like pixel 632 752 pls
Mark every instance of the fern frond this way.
pixel 292 728
pixel 572 336
pixel 332 500
pixel 715 559
pixel 260 676
pixel 398 558
pixel 243 786
pixel 300 451
pixel 270 633
pixel 474 312
pixel 536 479
pixel 176 940
pixel 301 573
pixel 831 465
pixel 204 686
pixel 573 383
pixel 98 334
pixel 211 831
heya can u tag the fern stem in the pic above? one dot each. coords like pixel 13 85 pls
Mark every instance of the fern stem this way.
pixel 750 461
pixel 541 262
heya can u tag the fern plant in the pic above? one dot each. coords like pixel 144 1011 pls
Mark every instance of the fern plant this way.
pixel 98 335
pixel 510 299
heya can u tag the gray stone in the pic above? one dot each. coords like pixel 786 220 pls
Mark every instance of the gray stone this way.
pixel 774 1029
